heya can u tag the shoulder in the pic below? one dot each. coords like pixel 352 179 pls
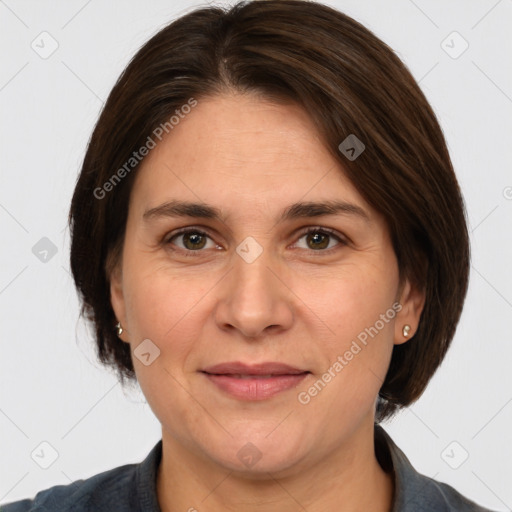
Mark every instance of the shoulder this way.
pixel 93 493
pixel 414 491
pixel 439 496
pixel 123 489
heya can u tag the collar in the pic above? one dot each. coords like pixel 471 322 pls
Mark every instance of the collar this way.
pixel 145 488
pixel 409 485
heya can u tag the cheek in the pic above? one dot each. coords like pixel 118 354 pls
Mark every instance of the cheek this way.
pixel 355 300
pixel 161 301
pixel 168 307
pixel 358 308
pixel 160 311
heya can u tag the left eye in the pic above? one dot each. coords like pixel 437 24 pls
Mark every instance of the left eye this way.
pixel 320 238
pixel 194 240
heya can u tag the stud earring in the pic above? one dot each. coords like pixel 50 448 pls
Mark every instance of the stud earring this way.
pixel 406 330
pixel 119 329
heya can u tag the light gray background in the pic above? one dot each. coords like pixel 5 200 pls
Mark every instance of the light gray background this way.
pixel 51 387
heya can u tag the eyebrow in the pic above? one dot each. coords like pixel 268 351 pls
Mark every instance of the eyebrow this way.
pixel 175 208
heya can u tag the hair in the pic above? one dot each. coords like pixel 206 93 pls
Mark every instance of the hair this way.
pixel 350 83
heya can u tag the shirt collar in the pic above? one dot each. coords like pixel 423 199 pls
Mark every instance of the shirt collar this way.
pixel 145 488
pixel 407 482
pixel 410 486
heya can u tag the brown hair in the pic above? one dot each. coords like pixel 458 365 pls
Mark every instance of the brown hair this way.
pixel 350 82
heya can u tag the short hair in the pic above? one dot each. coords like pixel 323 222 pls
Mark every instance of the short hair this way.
pixel 350 83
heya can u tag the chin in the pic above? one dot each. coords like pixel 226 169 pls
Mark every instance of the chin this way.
pixel 256 458
pixel 278 466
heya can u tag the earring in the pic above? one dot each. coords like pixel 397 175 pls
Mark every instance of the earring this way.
pixel 406 330
pixel 119 329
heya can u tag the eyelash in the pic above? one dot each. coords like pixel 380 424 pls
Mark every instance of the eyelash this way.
pixel 315 229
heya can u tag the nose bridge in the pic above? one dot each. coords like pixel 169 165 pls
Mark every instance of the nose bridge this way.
pixel 252 277
pixel 255 299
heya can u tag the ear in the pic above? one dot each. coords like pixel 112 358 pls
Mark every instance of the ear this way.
pixel 117 300
pixel 412 300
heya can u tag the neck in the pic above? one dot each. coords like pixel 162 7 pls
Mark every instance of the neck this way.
pixel 349 479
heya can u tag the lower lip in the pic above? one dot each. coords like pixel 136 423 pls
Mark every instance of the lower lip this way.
pixel 257 388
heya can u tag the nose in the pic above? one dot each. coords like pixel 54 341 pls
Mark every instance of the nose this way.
pixel 255 298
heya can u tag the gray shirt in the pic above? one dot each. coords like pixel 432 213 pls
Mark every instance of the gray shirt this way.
pixel 132 487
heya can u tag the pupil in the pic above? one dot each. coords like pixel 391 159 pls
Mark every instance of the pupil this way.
pixel 315 238
pixel 194 238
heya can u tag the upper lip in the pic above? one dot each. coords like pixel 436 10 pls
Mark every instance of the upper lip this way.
pixel 238 368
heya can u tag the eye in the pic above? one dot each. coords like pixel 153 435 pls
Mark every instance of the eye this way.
pixel 318 239
pixel 193 240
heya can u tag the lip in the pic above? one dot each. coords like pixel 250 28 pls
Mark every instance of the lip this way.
pixel 238 368
pixel 255 381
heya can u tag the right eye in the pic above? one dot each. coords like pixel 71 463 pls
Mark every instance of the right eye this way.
pixel 193 240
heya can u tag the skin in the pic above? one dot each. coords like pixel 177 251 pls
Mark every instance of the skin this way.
pixel 296 303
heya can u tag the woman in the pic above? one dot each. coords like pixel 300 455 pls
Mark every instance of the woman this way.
pixel 268 235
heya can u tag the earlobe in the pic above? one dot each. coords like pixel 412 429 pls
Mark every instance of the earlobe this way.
pixel 117 301
pixel 412 300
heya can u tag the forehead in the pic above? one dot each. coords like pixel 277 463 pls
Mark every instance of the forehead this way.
pixel 242 152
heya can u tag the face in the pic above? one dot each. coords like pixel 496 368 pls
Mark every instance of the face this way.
pixel 317 296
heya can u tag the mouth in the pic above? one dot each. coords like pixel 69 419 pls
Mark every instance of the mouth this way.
pixel 254 382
